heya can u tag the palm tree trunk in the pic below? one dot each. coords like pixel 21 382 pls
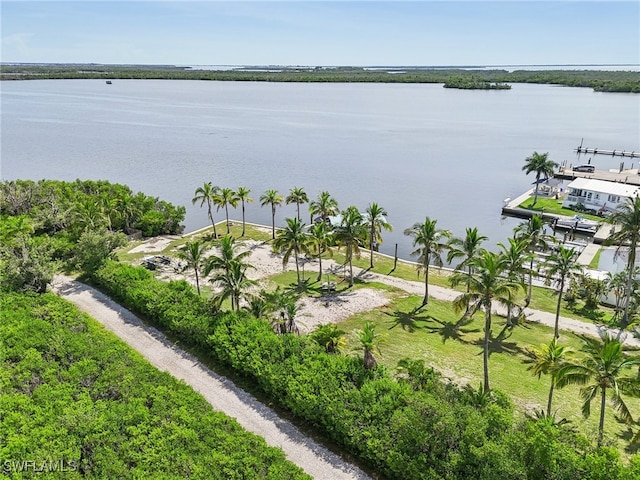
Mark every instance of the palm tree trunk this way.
pixel 603 401
pixel 372 233
pixel 298 206
pixel 215 234
pixel 295 255
pixel 425 300
pixel 320 264
pixel 243 218
pixel 527 301
pixel 226 212
pixel 485 354
pixel 350 269
pixel 630 266
pixel 553 384
pixel 273 222
pixel 197 280
pixel 369 359
pixel 535 194
pixel 555 331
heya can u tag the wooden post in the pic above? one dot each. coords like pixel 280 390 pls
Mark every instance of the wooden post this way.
pixel 395 258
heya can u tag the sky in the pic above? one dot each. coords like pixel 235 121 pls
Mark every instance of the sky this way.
pixel 359 33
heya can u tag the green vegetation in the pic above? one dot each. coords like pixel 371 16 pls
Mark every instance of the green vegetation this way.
pixel 412 424
pixel 474 83
pixel 403 429
pixel 74 394
pixel 601 81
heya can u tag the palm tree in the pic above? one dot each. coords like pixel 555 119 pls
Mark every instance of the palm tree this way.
pixel 466 248
pixel 431 241
pixel 223 198
pixel 617 284
pixel 604 369
pixel 243 196
pixel 515 257
pixel 627 224
pixel 284 303
pixel 547 359
pixel 193 254
pixel 350 234
pixel 561 264
pixel 207 193
pixel 325 206
pixel 228 255
pixel 292 239
pixel 539 164
pixel 329 336
pixel 321 236
pixel 488 284
pixel 297 195
pixel 273 198
pixel 533 233
pixel 376 218
pixel 369 341
pixel 233 283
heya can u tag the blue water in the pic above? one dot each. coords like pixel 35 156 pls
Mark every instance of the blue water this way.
pixel 417 150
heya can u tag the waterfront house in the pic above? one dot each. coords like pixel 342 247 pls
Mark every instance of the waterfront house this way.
pixel 598 196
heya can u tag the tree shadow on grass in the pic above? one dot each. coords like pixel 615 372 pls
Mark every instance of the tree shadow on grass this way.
pixel 499 344
pixel 453 330
pixel 407 320
pixel 627 437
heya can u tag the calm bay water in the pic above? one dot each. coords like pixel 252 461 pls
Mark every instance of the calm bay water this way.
pixel 417 150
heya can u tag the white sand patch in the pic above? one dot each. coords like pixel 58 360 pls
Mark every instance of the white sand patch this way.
pixel 336 307
pixel 154 244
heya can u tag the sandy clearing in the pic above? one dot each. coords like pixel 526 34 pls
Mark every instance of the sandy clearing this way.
pixel 220 392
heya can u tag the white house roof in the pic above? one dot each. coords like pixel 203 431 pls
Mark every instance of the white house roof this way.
pixel 602 186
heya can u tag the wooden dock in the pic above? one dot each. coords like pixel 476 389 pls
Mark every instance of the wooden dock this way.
pixel 611 153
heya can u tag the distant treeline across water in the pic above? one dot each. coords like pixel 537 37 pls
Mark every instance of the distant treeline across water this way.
pixel 599 80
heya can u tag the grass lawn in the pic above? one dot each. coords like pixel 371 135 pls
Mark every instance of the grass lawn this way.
pixel 551 205
pixel 435 335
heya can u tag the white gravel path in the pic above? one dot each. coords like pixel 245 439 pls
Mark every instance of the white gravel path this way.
pixel 220 392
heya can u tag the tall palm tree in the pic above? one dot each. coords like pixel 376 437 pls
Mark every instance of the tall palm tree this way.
pixel 515 256
pixel 604 369
pixel 321 237
pixel 466 248
pixel 547 359
pixel 350 234
pixel 325 206
pixel 273 198
pixel 431 242
pixel 243 196
pixel 627 225
pixel 539 164
pixel 488 284
pixel 297 195
pixel 292 239
pixel 376 217
pixel 223 198
pixel 533 233
pixel 561 265
pixel 193 255
pixel 206 194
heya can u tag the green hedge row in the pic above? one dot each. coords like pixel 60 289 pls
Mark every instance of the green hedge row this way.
pixel 432 433
pixel 78 403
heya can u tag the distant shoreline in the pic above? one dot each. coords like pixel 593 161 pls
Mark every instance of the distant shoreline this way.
pixel 625 81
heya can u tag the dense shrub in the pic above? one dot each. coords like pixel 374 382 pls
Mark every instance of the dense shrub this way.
pixel 72 392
